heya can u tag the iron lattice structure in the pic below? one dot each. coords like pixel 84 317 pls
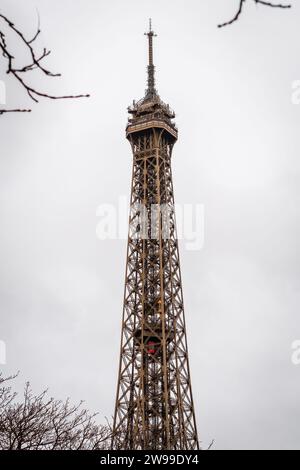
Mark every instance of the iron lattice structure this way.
pixel 154 405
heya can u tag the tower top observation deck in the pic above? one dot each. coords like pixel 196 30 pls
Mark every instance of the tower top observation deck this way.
pixel 151 111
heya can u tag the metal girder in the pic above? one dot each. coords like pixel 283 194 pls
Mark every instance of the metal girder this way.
pixel 154 405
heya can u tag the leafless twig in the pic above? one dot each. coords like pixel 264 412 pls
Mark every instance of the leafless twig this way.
pixel 36 63
pixel 240 10
pixel 3 111
pixel 211 445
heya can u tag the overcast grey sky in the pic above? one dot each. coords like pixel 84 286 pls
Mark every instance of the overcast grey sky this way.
pixel 238 153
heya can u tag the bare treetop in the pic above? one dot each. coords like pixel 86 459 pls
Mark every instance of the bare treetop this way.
pixel 40 422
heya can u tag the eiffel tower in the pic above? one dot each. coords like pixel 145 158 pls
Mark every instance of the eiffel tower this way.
pixel 154 404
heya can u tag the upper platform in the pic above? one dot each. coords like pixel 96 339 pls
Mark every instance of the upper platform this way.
pixel 151 112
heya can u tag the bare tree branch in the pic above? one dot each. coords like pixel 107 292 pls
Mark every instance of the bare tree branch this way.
pixel 211 445
pixel 42 423
pixel 240 10
pixel 34 64
pixel 3 111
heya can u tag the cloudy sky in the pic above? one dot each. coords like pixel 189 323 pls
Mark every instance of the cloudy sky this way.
pixel 61 287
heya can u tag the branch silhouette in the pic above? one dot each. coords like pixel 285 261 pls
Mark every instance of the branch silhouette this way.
pixel 39 422
pixel 35 63
pixel 261 2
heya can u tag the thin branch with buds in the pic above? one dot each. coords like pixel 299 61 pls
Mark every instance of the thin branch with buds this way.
pixel 4 111
pixel 261 2
pixel 36 63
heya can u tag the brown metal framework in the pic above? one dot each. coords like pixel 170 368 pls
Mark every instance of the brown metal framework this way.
pixel 154 404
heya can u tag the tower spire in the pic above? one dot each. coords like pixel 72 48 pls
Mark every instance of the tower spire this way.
pixel 151 91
